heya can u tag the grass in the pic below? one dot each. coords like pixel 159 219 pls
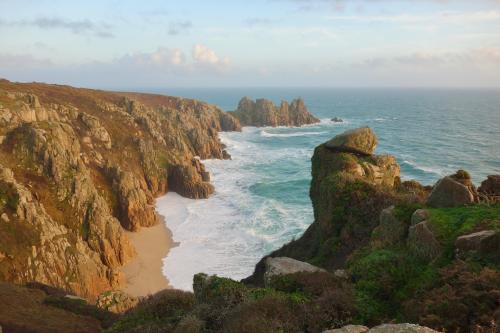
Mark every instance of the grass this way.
pixel 449 223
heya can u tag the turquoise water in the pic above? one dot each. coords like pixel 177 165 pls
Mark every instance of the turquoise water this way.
pixel 262 200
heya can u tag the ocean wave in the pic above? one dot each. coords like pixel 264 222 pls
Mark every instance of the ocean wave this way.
pixel 426 169
pixel 288 135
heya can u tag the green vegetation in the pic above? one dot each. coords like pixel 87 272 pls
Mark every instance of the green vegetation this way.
pixel 449 223
pixel 81 307
pixel 387 279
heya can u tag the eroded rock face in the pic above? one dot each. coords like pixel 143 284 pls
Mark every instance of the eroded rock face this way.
pixel 134 204
pixel 263 112
pixel 283 265
pixel 82 165
pixel 358 141
pixel 95 129
pixel 449 192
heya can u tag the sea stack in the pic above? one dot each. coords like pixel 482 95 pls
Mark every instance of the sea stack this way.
pixel 263 112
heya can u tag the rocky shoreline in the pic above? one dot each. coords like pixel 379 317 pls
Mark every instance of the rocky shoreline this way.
pixel 81 167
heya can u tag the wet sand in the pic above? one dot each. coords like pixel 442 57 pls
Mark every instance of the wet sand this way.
pixel 144 273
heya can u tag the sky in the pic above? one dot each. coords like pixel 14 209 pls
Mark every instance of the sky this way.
pixel 153 44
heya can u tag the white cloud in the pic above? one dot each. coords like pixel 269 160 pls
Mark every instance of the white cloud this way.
pixel 436 18
pixel 205 56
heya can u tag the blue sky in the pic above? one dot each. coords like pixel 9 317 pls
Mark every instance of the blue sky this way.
pixel 189 43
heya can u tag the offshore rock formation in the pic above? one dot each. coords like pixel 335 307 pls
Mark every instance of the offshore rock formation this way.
pixel 78 166
pixel 263 112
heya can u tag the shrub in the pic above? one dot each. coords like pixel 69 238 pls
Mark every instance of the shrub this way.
pixel 157 313
pixel 464 300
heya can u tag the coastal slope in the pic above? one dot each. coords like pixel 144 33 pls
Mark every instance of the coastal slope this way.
pixel 263 112
pixel 78 167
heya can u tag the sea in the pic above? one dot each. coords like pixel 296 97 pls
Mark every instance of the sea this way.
pixel 261 198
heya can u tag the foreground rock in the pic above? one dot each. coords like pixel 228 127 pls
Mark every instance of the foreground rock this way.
pixel 358 141
pixel 449 192
pixel 283 266
pixel 263 112
pixel 484 243
pixel 385 328
pixel 491 188
pixel 116 301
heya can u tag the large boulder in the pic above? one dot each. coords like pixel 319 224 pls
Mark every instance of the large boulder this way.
pixel 449 192
pixel 359 141
pixel 401 328
pixel 284 265
pixel 486 243
pixel 423 242
pixel 491 188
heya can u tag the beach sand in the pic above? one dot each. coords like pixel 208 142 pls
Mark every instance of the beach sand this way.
pixel 144 273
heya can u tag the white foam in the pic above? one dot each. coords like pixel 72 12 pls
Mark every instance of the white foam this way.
pixel 289 135
pixel 229 232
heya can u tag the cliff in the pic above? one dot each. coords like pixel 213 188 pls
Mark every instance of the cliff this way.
pixel 263 112
pixel 428 255
pixel 80 166
pixel 379 251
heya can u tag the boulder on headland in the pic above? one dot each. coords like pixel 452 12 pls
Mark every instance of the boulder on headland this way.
pixel 490 188
pixel 358 141
pixel 283 265
pixel 263 112
pixel 451 191
pixel 423 242
pixel 390 231
pixel 485 243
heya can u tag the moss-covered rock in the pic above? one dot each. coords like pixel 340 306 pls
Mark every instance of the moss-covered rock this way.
pixel 358 141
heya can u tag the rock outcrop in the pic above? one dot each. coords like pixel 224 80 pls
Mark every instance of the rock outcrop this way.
pixel 357 141
pixel 490 188
pixel 263 112
pixel 484 243
pixel 347 190
pixel 452 191
pixel 79 166
pixel 385 328
pixel 283 265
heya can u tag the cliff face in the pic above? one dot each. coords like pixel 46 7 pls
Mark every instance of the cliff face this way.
pixel 78 166
pixel 263 112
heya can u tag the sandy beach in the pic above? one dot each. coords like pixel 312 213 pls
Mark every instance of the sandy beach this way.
pixel 144 273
